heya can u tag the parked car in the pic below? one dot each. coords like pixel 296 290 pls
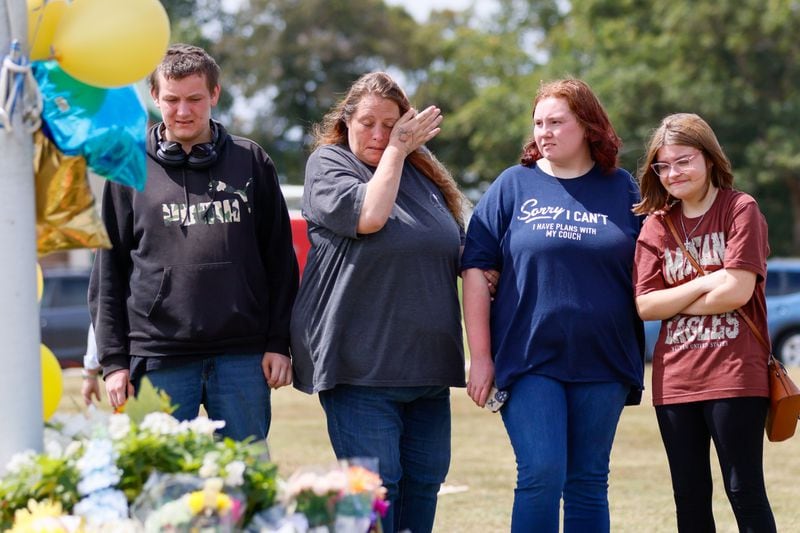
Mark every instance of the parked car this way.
pixel 783 309
pixel 64 314
pixel 293 194
pixel 783 312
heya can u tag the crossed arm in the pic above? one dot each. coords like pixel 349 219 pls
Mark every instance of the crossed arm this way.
pixel 718 292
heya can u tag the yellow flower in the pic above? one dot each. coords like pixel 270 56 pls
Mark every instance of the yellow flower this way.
pixel 41 517
pixel 211 498
pixel 197 502
pixel 223 503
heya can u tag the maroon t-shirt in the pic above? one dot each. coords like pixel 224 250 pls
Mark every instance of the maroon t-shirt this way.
pixel 710 356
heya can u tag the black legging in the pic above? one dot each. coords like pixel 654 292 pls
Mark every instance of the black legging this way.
pixel 737 427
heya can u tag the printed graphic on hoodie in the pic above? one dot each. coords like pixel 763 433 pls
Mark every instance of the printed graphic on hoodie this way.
pixel 223 211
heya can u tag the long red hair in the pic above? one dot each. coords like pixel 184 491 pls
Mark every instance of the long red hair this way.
pixel 603 141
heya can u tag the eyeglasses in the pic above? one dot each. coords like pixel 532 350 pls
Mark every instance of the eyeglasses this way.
pixel 680 166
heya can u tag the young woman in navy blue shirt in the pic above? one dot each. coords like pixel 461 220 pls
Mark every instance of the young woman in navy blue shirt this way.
pixel 561 335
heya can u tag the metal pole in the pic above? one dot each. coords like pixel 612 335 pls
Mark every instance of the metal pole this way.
pixel 21 417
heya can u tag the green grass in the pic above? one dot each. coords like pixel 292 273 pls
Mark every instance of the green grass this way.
pixel 483 463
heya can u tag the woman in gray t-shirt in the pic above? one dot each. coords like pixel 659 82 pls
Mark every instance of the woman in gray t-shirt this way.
pixel 376 328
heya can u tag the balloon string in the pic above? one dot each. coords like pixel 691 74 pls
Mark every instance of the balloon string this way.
pixel 38 25
pixel 17 79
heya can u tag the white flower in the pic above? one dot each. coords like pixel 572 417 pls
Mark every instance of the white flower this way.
pixel 160 424
pixel 119 426
pixel 73 449
pixel 204 425
pixel 234 473
pixel 21 461
pixel 53 448
pixel 99 454
pixel 210 466
pixel 71 425
pixel 98 480
pixel 105 506
pixel 54 442
pixel 98 467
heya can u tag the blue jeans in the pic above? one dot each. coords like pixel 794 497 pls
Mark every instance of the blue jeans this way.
pixel 231 388
pixel 561 434
pixel 408 430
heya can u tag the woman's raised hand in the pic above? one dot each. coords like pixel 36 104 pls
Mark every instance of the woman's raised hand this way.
pixel 414 129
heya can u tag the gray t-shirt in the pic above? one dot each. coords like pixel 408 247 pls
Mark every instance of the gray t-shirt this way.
pixel 379 309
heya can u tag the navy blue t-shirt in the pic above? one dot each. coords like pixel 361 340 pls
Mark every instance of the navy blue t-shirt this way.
pixel 564 306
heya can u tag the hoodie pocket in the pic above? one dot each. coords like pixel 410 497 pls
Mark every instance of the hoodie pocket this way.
pixel 205 302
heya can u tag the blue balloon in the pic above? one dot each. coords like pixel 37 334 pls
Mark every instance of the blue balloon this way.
pixel 108 127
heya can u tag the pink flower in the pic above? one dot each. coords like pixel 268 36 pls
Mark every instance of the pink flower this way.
pixel 380 506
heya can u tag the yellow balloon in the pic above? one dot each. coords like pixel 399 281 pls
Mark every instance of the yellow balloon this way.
pixel 39 282
pixel 43 18
pixel 111 43
pixel 52 382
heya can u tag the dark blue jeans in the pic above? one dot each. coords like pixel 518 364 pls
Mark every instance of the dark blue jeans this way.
pixel 736 425
pixel 230 387
pixel 561 434
pixel 408 430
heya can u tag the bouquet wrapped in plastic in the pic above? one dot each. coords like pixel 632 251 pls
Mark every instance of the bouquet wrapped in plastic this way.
pixel 182 502
pixel 346 498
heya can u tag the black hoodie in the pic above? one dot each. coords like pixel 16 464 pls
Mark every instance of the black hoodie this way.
pixel 219 277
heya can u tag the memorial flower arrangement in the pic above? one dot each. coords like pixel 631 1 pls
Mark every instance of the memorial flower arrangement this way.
pixel 95 466
pixel 143 470
pixel 345 498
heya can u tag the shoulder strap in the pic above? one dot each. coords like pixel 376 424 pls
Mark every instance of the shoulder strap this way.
pixel 696 265
pixel 686 254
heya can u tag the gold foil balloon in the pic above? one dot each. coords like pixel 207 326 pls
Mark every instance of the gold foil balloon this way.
pixel 66 217
pixel 52 382
pixel 111 43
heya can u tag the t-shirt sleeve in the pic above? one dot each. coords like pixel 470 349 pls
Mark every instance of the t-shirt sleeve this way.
pixel 334 192
pixel 647 275
pixel 746 245
pixel 487 227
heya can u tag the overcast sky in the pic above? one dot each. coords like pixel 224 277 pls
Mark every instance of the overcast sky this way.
pixel 420 9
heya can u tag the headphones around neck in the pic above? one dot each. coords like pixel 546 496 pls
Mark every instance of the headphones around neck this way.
pixel 201 156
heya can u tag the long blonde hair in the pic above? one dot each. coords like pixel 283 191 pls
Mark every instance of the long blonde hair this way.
pixel 333 130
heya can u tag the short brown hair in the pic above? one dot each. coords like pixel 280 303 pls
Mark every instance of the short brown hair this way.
pixel 182 60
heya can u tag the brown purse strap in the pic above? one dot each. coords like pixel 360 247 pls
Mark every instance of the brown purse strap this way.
pixel 696 265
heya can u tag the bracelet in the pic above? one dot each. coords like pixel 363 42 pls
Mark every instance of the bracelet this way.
pixel 89 374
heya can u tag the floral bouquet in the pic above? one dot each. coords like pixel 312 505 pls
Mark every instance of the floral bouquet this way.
pixel 180 502
pixel 95 465
pixel 344 499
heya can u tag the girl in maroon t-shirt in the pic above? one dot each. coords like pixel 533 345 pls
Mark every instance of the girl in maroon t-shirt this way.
pixel 709 370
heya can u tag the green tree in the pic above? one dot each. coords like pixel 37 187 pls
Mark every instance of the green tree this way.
pixel 484 77
pixel 295 58
pixel 734 62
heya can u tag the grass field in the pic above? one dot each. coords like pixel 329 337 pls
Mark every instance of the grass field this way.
pixel 479 490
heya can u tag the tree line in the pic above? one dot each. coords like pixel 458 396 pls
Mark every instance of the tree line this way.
pixel 734 62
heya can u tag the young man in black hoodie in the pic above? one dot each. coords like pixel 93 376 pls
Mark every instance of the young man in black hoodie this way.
pixel 196 292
